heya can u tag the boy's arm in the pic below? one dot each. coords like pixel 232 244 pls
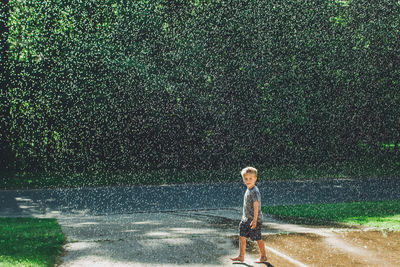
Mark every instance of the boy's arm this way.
pixel 254 222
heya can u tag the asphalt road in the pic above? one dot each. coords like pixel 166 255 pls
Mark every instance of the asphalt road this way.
pixel 125 200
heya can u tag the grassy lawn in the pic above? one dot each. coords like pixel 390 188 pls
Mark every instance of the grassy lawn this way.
pixel 383 214
pixel 351 169
pixel 29 241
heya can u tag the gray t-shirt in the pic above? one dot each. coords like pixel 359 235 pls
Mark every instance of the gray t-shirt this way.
pixel 250 197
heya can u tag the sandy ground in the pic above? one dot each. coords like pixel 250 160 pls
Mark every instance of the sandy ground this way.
pixel 209 238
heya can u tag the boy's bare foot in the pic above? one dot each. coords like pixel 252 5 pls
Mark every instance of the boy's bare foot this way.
pixel 238 258
pixel 261 260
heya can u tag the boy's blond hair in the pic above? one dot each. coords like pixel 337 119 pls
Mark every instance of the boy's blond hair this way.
pixel 249 170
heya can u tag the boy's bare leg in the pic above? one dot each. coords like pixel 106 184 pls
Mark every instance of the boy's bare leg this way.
pixel 242 249
pixel 261 246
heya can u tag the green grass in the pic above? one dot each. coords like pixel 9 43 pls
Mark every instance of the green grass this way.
pixel 383 214
pixel 351 169
pixel 29 241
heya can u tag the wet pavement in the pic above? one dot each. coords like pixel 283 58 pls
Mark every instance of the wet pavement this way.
pixel 338 248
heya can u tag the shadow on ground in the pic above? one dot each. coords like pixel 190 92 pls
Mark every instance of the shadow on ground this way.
pixel 169 238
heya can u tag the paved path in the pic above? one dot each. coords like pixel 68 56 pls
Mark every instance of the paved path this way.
pixel 124 200
pixel 179 238
pixel 177 225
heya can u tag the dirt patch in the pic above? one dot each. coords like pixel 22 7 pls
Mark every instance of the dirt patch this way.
pixel 385 245
pixel 348 248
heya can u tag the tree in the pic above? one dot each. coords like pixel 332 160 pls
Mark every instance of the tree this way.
pixel 6 155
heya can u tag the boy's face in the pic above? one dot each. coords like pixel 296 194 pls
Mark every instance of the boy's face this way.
pixel 249 179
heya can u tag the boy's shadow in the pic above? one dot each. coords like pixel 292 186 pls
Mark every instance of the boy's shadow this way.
pixel 248 265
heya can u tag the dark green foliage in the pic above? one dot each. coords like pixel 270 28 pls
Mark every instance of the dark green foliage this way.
pixel 6 155
pixel 126 85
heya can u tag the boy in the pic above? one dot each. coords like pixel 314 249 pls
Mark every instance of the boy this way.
pixel 250 225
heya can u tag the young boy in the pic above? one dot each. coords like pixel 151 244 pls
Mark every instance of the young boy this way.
pixel 250 225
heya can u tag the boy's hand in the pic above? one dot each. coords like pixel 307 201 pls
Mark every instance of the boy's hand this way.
pixel 253 224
